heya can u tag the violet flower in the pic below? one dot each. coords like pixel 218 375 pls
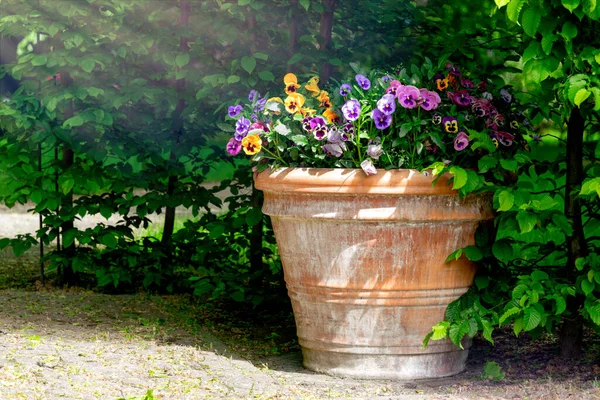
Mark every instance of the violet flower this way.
pixel 505 95
pixel 408 96
pixel 368 167
pixel 333 135
pixel 260 105
pixel 505 138
pixel 318 128
pixel 387 104
pixel 258 125
pixel 429 100
pixel 345 89
pixel 347 132
pixel 467 83
pixel 450 124
pixel 351 110
pixel 374 150
pixel 382 120
pixel 363 82
pixel 234 146
pixel 460 98
pixel 461 141
pixel 234 111
pixel 253 95
pixel 306 123
pixel 394 85
pixel 241 128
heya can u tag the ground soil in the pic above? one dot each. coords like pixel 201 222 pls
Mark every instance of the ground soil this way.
pixel 72 343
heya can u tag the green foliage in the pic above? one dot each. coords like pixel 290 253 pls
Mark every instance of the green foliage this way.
pixel 493 371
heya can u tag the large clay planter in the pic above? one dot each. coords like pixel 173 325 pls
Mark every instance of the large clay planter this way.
pixel 364 262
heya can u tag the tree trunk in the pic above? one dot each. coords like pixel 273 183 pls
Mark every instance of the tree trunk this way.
pixel 571 332
pixel 293 32
pixel 325 30
pixel 184 16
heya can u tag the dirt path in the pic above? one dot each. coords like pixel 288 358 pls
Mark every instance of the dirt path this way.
pixel 83 345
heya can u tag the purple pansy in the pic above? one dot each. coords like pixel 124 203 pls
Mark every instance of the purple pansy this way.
pixel 382 120
pixel 387 104
pixel 467 83
pixel 234 146
pixel 253 95
pixel 408 96
pixel 234 111
pixel 368 167
pixel 460 98
pixel 394 85
pixel 505 138
pixel 258 125
pixel 306 123
pixel 351 110
pixel 461 141
pixel 241 128
pixel 260 105
pixel 363 82
pixel 318 128
pixel 345 89
pixel 347 132
pixel 429 100
pixel 334 135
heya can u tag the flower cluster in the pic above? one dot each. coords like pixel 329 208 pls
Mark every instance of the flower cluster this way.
pixel 379 121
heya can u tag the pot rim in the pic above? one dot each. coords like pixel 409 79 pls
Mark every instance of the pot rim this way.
pixel 352 181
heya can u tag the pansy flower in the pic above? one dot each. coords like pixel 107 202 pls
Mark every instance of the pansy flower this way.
pixel 260 105
pixel 461 141
pixel 274 105
pixel 408 96
pixel 251 144
pixel 505 138
pixel 347 132
pixel 253 95
pixel 258 126
pixel 374 149
pixel 363 82
pixel 318 128
pixel 436 119
pixel 331 116
pixel 442 84
pixel 311 86
pixel 450 124
pixel 467 83
pixel 234 111
pixel 499 120
pixel 294 102
pixel 387 104
pixel 429 100
pixel 506 96
pixel 334 149
pixel 324 99
pixel 351 110
pixel 368 167
pixel 291 83
pixel 307 112
pixel 454 71
pixel 345 89
pixel 382 120
pixel 334 135
pixel 394 85
pixel 460 98
pixel 241 128
pixel 514 124
pixel 234 146
pixel 306 123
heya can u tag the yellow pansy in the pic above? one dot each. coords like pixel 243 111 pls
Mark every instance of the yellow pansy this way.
pixel 251 144
pixel 312 86
pixel 308 112
pixel 324 99
pixel 291 83
pixel 331 116
pixel 294 102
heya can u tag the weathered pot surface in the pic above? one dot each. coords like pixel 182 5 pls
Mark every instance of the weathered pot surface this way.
pixel 364 262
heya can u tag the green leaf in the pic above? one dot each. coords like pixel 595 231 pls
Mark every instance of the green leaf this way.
pixel 244 2
pixel 440 330
pixel 506 199
pixel 457 332
pixel 182 59
pixel 68 237
pixel 73 121
pixel 473 253
pixel 502 250
pixel 482 281
pixel 305 4
pixel 561 304
pixel 233 79
pixel 493 371
pixel 563 223
pixel 569 30
pixel 531 21
pixel 501 3
pixel 486 163
pixel 596 92
pixel 453 311
pixel 518 326
pixel 261 56
pixel 581 96
pixel 509 165
pixel 254 216
pixel 459 177
pixel 538 276
pixel 67 185
pixel 514 9
pixel 570 4
pixel 109 240
pixel 507 314
pixel 455 255
pixel 531 319
pixel 215 229
pixel 547 42
pixel 589 6
pixel 587 286
pixel 527 221
pixel 488 329
pixel 594 311
pixel 248 63
pixel 266 76
pixel 295 58
pixel 88 65
pixel 40 59
pixel 300 140
pixel 532 51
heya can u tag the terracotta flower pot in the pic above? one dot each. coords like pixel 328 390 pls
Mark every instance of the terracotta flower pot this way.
pixel 364 262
